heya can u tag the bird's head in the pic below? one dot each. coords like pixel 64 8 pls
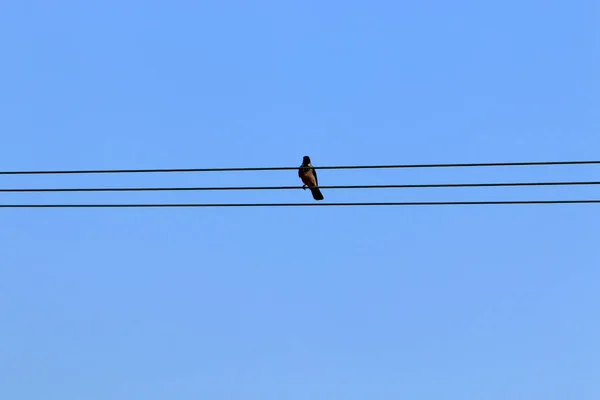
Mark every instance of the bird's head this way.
pixel 306 160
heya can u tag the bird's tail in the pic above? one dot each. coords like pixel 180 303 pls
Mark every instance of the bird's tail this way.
pixel 316 193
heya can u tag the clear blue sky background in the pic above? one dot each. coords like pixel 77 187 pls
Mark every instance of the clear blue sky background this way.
pixel 489 302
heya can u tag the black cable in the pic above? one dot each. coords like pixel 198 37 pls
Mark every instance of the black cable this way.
pixel 406 186
pixel 162 205
pixel 119 171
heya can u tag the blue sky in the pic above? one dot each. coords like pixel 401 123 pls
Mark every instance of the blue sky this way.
pixel 299 303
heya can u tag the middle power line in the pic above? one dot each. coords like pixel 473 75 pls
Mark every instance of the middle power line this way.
pixel 218 188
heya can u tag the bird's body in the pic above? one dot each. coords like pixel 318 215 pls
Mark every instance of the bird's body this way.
pixel 308 175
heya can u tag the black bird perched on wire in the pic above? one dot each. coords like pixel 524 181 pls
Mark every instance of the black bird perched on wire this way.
pixel 309 178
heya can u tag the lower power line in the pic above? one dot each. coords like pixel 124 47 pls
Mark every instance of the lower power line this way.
pixel 165 205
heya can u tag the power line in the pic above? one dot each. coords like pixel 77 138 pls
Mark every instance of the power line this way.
pixel 165 205
pixel 461 165
pixel 405 186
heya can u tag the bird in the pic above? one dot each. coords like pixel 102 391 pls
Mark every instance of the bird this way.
pixel 308 175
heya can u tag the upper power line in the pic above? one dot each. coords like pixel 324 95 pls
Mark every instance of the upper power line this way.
pixel 456 165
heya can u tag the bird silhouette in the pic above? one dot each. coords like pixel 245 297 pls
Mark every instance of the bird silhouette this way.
pixel 308 175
